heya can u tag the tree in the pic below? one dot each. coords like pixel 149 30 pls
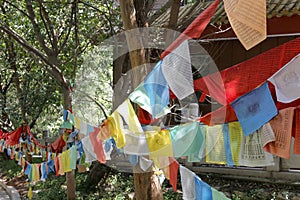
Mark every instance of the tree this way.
pixel 54 35
pixel 135 15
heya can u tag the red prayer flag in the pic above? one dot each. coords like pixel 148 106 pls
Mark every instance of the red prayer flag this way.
pixel 14 137
pixel 233 82
pixel 195 29
pixel 97 144
pixel 173 167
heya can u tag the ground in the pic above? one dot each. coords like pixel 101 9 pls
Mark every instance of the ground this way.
pixel 119 183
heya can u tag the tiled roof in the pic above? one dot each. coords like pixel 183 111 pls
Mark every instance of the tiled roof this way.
pixel 275 8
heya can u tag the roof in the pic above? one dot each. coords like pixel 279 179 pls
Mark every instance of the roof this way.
pixel 275 8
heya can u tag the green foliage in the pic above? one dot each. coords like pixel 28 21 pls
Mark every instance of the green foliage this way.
pixel 9 168
pixel 53 188
pixel 67 33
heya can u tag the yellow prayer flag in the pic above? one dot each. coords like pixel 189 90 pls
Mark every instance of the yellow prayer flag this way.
pixel 116 132
pixel 77 123
pixel 215 152
pixel 236 134
pixel 29 194
pixel 159 143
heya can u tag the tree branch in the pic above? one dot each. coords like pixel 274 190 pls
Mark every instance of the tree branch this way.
pixel 18 9
pixel 46 27
pixel 95 101
pixel 69 28
pixel 55 72
pixel 76 42
pixel 102 13
pixel 49 24
pixel 36 27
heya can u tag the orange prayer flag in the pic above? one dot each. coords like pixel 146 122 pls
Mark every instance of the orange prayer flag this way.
pixel 282 127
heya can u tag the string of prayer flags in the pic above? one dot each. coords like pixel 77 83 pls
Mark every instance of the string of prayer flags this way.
pixel 252 153
pixel 287 80
pixel 244 77
pixel 255 108
pixel 226 113
pixel 215 151
pixel 248 20
pixel 195 29
pixel 178 64
pixel 282 126
pixel 67 160
pixel 153 93
pixel 194 188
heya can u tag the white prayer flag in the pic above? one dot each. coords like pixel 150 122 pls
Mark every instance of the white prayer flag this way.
pixel 287 81
pixel 177 70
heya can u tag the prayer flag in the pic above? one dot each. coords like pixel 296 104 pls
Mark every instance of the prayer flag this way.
pixel 282 126
pixel 215 151
pixel 177 70
pixel 195 29
pixel 255 108
pixel 202 190
pixel 252 153
pixel 233 82
pixel 187 183
pixel 188 140
pixel 153 93
pixel 287 81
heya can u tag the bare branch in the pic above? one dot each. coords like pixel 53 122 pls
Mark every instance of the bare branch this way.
pixel 95 101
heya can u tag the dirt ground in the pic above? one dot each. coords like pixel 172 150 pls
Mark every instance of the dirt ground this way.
pixel 248 190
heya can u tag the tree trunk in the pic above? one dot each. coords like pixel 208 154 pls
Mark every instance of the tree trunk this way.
pixel 146 184
pixel 70 176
